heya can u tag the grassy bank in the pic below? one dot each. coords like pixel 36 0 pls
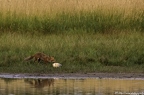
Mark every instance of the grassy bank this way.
pixel 83 35
pixel 83 52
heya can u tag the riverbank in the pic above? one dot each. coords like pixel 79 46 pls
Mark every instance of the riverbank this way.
pixel 84 36
pixel 75 75
pixel 77 52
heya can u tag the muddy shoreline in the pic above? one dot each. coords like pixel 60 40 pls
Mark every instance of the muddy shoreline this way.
pixel 75 75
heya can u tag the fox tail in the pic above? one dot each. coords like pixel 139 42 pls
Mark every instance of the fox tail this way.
pixel 28 58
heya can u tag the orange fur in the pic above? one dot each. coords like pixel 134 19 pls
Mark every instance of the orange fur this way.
pixel 40 57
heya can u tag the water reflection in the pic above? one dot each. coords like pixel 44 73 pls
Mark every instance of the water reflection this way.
pixel 87 86
pixel 39 83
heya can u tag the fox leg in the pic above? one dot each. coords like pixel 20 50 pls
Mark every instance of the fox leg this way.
pixel 37 60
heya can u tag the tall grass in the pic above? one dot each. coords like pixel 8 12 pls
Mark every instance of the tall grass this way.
pixel 36 7
pixel 61 15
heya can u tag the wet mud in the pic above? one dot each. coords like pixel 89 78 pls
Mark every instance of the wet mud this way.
pixel 75 75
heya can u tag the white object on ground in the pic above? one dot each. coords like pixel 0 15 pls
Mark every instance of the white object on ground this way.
pixel 56 65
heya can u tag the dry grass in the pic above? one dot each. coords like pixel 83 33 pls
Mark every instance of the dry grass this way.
pixel 42 7
pixel 61 15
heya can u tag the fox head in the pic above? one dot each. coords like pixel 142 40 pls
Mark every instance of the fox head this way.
pixel 51 59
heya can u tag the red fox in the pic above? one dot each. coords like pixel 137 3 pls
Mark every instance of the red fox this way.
pixel 40 57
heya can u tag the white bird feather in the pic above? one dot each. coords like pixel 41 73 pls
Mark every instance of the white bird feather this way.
pixel 56 65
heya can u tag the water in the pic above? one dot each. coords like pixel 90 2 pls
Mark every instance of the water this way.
pixel 71 86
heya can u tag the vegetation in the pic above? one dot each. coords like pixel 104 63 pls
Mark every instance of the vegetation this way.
pixel 84 36
pixel 50 16
pixel 121 52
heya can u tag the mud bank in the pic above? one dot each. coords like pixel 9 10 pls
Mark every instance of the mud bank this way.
pixel 75 75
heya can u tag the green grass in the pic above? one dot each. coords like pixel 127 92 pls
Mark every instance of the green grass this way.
pixel 84 36
pixel 95 21
pixel 80 52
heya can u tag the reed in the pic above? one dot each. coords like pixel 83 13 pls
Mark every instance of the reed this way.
pixel 47 16
pixel 36 7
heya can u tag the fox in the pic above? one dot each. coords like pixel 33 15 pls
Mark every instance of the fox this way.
pixel 40 57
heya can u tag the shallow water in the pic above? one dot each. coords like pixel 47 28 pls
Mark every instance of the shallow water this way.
pixel 71 86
